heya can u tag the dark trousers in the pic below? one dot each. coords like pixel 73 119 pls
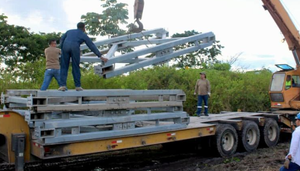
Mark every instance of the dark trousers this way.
pixel 199 104
pixel 292 167
pixel 70 50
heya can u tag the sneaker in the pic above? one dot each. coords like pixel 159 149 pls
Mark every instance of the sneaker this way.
pixel 62 88
pixel 79 89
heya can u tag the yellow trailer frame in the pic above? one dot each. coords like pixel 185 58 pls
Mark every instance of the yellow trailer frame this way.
pixel 11 122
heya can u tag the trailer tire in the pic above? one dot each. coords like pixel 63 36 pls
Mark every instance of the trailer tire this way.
pixel 249 136
pixel 270 133
pixel 226 140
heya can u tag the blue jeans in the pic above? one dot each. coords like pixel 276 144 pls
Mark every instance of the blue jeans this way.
pixel 292 167
pixel 70 50
pixel 199 104
pixel 49 74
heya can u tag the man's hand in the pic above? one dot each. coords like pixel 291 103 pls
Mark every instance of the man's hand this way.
pixel 208 94
pixel 194 93
pixel 287 163
pixel 104 59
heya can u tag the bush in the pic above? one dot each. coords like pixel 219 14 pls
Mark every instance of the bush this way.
pixel 230 91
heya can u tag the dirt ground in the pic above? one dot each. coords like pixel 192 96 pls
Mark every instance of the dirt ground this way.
pixel 264 159
pixel 157 159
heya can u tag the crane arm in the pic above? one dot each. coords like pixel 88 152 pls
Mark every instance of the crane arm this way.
pixel 285 24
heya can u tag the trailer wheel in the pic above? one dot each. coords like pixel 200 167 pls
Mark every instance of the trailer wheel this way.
pixel 249 136
pixel 226 140
pixel 270 133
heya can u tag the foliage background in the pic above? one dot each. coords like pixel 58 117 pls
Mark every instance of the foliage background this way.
pixel 247 91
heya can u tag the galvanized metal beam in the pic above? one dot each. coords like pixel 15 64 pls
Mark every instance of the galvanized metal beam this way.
pixel 160 48
pixel 151 61
pixel 110 120
pixel 104 106
pixel 159 33
pixel 110 134
pixel 93 93
pixel 62 117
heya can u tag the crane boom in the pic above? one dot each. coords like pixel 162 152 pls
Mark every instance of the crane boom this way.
pixel 286 25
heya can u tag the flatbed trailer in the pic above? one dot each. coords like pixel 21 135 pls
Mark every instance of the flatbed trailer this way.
pixel 39 125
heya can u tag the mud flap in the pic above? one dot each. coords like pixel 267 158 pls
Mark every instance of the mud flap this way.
pixel 18 146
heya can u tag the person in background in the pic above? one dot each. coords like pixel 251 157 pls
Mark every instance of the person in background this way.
pixel 288 82
pixel 202 89
pixel 70 46
pixel 52 65
pixel 292 162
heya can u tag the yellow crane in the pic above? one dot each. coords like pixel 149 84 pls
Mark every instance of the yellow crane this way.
pixel 285 84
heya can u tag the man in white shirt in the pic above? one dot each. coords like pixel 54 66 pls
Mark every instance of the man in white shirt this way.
pixel 293 158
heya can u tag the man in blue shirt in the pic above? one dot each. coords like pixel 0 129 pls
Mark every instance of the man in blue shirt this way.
pixel 70 46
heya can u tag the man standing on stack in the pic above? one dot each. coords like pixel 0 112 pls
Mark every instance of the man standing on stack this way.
pixel 70 45
pixel 52 65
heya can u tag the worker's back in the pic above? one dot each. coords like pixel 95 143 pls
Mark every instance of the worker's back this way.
pixel 74 37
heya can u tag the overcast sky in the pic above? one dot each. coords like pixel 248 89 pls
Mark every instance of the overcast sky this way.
pixel 242 26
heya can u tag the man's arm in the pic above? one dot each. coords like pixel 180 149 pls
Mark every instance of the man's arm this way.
pixel 91 45
pixel 196 88
pixel 93 48
pixel 208 87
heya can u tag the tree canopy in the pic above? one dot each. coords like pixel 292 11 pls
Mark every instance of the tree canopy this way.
pixel 19 45
pixel 109 21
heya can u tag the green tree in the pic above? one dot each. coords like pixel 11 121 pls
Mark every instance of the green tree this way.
pixel 217 65
pixel 107 23
pixel 19 46
pixel 201 57
pixel 13 43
